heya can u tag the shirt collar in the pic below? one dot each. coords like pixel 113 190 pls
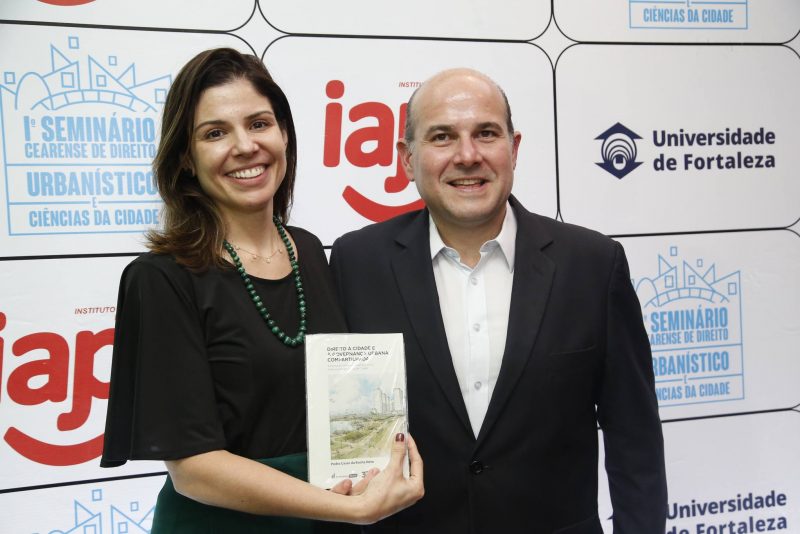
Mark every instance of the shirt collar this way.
pixel 506 239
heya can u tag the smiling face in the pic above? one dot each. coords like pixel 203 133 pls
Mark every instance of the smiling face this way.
pixel 238 150
pixel 463 156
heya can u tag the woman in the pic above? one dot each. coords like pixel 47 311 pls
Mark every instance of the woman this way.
pixel 207 371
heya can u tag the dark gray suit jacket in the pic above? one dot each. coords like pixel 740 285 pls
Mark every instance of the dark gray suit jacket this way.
pixel 576 356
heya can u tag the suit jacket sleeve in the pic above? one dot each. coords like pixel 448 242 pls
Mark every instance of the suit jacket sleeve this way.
pixel 628 414
pixel 335 268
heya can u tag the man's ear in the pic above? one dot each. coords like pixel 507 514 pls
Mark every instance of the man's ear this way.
pixel 515 147
pixel 404 153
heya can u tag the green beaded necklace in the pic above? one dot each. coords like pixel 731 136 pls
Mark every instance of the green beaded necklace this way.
pixel 298 284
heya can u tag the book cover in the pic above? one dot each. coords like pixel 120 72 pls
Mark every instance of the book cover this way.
pixel 356 403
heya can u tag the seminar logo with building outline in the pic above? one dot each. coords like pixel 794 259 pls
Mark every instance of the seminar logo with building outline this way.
pixel 694 321
pixel 78 139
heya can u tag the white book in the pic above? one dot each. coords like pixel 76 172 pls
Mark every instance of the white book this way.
pixel 356 404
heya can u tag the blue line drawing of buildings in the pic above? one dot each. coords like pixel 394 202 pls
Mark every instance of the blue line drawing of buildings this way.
pixel 71 83
pixel 671 284
pixel 87 521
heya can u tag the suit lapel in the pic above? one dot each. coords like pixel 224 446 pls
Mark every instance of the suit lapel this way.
pixel 413 272
pixel 533 278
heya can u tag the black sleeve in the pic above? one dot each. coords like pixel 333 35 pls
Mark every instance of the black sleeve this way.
pixel 336 272
pixel 161 401
pixel 628 414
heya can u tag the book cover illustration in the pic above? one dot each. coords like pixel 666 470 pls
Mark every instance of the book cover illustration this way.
pixel 356 402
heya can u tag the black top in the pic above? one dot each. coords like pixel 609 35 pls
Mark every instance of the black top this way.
pixel 195 367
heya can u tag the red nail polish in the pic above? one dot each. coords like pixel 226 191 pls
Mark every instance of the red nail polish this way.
pixel 400 437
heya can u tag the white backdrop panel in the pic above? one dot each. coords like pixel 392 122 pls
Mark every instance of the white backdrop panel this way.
pixel 56 330
pixel 632 108
pixel 739 460
pixel 79 125
pixel 347 91
pixel 349 112
pixel 184 14
pixel 469 19
pixel 682 21
pixel 720 310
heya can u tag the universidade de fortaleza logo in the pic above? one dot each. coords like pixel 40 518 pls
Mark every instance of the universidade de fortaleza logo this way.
pixel 618 150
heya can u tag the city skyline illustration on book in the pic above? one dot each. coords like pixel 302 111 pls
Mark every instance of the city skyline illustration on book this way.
pixel 356 403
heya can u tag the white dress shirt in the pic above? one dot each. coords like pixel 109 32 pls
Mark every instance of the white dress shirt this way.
pixel 475 304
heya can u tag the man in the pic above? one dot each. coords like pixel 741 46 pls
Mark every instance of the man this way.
pixel 522 334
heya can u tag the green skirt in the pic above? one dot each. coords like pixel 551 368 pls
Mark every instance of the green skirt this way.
pixel 176 514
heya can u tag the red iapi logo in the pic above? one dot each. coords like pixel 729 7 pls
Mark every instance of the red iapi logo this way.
pixel 380 139
pixel 47 380
pixel 66 2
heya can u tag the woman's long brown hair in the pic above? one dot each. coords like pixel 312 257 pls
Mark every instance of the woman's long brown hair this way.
pixel 192 228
